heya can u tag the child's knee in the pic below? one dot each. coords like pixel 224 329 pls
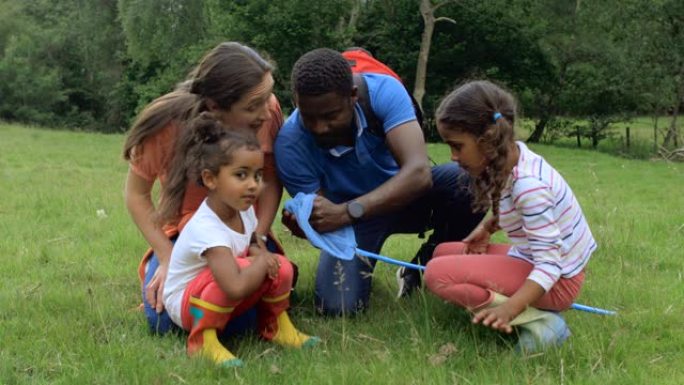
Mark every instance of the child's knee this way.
pixel 435 273
pixel 285 271
pixel 430 275
pixel 449 248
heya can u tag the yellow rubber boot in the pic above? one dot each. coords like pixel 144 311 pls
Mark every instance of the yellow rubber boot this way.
pixel 287 335
pixel 214 350
pixel 207 319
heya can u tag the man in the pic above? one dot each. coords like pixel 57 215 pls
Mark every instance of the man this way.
pixel 379 184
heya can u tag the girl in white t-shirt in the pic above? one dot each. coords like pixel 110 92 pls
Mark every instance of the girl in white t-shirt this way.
pixel 218 269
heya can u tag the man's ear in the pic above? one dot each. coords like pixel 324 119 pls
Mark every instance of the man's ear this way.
pixel 208 179
pixel 295 100
pixel 354 93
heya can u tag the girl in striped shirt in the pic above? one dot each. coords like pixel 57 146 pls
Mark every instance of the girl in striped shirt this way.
pixel 541 272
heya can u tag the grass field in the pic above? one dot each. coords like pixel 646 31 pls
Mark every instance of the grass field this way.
pixel 641 143
pixel 69 290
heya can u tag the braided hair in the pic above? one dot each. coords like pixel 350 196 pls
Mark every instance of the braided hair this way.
pixel 486 111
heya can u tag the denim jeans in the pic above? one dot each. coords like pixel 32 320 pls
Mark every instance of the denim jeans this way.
pixel 344 287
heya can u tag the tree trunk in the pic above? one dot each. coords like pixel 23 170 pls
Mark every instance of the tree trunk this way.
pixel 655 131
pixel 536 135
pixel 672 135
pixel 427 11
pixel 354 17
pixel 347 29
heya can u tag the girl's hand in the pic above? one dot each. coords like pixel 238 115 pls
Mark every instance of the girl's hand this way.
pixel 477 241
pixel 272 261
pixel 497 318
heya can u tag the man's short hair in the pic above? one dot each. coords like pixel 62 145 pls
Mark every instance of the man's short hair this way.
pixel 321 71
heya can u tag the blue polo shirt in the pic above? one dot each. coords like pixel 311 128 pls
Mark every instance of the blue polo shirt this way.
pixel 344 173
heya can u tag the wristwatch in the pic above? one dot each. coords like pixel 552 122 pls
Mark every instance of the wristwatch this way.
pixel 355 210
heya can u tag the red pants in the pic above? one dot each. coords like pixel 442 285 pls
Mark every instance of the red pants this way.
pixel 466 279
pixel 209 303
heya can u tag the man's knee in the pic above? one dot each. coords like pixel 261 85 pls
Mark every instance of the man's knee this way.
pixel 343 306
pixel 447 176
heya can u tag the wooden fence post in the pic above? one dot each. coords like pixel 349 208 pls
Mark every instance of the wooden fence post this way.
pixel 627 135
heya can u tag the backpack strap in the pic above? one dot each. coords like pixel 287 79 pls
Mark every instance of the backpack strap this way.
pixel 374 125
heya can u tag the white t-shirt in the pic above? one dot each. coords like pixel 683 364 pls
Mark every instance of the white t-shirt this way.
pixel 204 231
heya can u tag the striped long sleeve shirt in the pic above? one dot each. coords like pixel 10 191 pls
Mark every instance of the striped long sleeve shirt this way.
pixel 544 221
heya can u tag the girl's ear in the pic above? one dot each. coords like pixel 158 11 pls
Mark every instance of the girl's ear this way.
pixel 208 179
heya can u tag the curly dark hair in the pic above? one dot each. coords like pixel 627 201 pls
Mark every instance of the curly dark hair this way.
pixel 206 144
pixel 471 109
pixel 321 71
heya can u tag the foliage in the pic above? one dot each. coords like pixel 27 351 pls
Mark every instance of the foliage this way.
pixel 69 291
pixel 285 30
pixel 93 65
pixel 59 63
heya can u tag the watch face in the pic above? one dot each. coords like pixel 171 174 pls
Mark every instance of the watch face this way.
pixel 355 209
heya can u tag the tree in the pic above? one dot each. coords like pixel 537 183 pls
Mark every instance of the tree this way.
pixel 672 33
pixel 59 63
pixel 285 30
pixel 427 11
pixel 157 31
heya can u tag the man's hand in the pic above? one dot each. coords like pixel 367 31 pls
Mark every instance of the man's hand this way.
pixel 327 216
pixel 290 221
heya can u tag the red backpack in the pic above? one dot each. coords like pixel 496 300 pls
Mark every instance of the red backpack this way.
pixel 361 61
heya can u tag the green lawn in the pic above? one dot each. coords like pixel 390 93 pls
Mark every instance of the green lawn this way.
pixel 641 137
pixel 69 290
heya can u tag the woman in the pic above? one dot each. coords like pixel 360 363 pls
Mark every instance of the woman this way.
pixel 235 84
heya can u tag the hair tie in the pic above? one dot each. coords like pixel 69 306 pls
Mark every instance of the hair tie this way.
pixel 195 86
pixel 210 137
pixel 497 116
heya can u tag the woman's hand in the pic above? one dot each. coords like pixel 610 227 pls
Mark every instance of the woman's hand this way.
pixel 154 292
